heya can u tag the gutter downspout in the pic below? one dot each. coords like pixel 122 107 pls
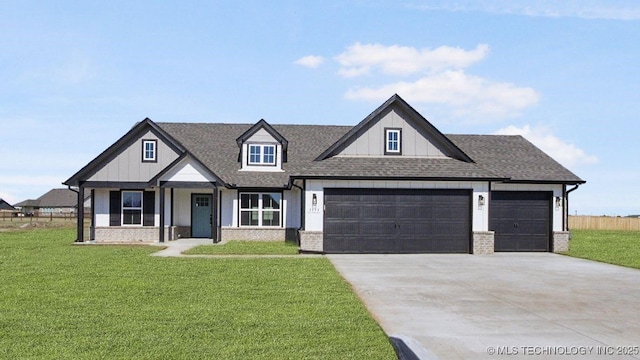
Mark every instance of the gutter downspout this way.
pixel 302 207
pixel 566 196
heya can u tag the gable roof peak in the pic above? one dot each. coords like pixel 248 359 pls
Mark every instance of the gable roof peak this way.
pixel 262 124
pixel 413 116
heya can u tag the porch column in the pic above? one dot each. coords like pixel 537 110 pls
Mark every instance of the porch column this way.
pixel 214 216
pixel 162 190
pixel 80 215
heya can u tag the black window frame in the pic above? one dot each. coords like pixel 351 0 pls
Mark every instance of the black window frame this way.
pixel 144 151
pixel 386 141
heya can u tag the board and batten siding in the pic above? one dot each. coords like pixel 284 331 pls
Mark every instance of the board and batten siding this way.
pixel 314 215
pixel 128 165
pixel 371 141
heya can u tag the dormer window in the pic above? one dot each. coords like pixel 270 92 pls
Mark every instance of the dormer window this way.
pixel 262 154
pixel 149 150
pixel 393 141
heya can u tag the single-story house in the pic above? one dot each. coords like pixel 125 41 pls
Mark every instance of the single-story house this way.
pixel 391 184
pixel 53 202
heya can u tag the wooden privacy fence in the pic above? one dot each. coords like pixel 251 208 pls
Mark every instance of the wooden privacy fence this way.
pixel 603 223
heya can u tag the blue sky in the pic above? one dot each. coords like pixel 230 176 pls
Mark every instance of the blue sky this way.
pixel 76 75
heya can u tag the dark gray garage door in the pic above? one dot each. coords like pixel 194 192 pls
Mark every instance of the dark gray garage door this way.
pixel 397 221
pixel 521 220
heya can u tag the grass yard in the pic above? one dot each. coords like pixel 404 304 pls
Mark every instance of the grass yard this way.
pixel 614 247
pixel 247 248
pixel 87 302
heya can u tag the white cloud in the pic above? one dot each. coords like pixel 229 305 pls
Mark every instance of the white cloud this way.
pixel 360 59
pixel 467 95
pixel 585 9
pixel 310 61
pixel 567 154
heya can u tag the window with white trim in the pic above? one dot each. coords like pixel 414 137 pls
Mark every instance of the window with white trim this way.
pixel 260 209
pixel 393 138
pixel 149 150
pixel 262 154
pixel 132 208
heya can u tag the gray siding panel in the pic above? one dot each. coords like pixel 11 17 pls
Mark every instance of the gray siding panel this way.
pixel 371 141
pixel 128 165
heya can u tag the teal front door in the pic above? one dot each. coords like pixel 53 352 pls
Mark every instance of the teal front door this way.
pixel 201 215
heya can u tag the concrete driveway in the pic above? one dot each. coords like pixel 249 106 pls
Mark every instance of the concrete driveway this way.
pixel 504 305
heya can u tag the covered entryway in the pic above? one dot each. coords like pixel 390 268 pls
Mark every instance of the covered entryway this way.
pixel 397 221
pixel 521 220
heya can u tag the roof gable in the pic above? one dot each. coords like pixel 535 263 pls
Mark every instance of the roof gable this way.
pixel 141 129
pixel 5 205
pixel 420 137
pixel 264 126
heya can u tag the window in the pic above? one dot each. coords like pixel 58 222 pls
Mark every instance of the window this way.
pixel 260 209
pixel 393 138
pixel 149 150
pixel 262 154
pixel 132 208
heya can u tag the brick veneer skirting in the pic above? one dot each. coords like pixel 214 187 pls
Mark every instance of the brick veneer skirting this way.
pixel 483 242
pixel 560 241
pixel 310 241
pixel 258 234
pixel 128 235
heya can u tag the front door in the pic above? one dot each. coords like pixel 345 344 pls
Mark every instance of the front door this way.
pixel 201 215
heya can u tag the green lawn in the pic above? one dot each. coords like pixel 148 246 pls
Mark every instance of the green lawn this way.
pixel 60 301
pixel 247 248
pixel 614 247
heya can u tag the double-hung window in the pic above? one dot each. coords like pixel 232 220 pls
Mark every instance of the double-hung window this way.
pixel 260 209
pixel 149 150
pixel 393 138
pixel 132 208
pixel 262 154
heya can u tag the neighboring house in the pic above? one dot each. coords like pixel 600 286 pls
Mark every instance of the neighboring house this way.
pixel 5 208
pixel 391 184
pixel 54 202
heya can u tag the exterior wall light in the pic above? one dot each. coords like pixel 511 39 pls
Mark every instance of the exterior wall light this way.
pixel 558 202
pixel 480 200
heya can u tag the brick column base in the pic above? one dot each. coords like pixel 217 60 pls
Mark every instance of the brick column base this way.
pixel 310 241
pixel 483 242
pixel 560 241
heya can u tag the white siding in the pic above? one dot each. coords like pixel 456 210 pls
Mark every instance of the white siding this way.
pixel 101 203
pixel 187 170
pixel 229 208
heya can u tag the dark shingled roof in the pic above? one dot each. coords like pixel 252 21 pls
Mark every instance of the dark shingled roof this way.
pixel 494 157
pixel 513 157
pixel 54 198
pixel 6 206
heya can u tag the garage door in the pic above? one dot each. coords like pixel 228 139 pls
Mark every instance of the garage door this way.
pixel 397 221
pixel 521 220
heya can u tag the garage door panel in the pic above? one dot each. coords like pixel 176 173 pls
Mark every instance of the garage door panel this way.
pixel 521 220
pixel 398 221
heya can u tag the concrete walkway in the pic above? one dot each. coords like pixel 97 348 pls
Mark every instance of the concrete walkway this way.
pixel 509 305
pixel 176 247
